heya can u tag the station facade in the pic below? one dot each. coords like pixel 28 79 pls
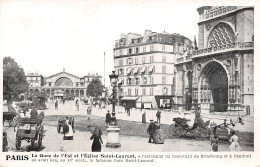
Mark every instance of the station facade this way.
pixel 62 84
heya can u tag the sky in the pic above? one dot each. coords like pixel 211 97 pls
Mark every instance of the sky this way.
pixel 47 36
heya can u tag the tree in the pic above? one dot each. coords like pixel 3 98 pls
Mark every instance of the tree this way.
pixel 95 88
pixel 14 80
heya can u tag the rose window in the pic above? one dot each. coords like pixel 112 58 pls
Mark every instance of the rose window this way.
pixel 221 34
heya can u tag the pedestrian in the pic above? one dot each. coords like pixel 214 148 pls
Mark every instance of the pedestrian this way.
pixel 108 117
pixel 34 112
pixel 144 117
pixel 124 105
pixel 68 130
pixel 214 143
pixel 99 105
pixel 5 142
pixel 158 134
pixel 56 104
pixel 63 100
pixel 77 104
pixel 234 146
pixel 96 145
pixel 89 110
pixel 150 131
pixel 142 106
pixel 158 116
pixel 128 109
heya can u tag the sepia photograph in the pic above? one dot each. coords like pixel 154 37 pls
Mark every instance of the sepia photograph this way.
pixel 84 76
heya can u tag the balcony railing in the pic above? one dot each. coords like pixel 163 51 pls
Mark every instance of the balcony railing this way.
pixel 219 11
pixel 183 59
pixel 224 48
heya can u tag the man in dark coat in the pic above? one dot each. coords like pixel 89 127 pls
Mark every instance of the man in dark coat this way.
pixel 158 116
pixel 108 117
pixel 34 112
pixel 56 105
pixel 77 104
pixel 150 131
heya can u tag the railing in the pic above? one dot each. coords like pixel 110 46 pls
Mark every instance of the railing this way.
pixel 226 107
pixel 226 47
pixel 219 11
pixel 184 58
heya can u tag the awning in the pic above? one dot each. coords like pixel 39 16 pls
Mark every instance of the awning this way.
pixel 129 98
pixel 151 68
pixel 136 70
pixel 143 69
pixel 129 70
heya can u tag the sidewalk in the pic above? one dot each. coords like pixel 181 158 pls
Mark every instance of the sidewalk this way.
pixel 136 115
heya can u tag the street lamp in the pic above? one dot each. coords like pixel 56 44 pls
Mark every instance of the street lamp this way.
pixel 113 130
pixel 113 80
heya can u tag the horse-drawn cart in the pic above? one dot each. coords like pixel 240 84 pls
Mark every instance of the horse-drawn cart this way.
pixel 201 130
pixel 9 117
pixel 30 130
pixel 181 128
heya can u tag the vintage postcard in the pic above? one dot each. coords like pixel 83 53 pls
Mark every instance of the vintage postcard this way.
pixel 138 83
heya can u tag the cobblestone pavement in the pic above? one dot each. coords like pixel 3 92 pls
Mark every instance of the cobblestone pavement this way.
pixel 53 141
pixel 136 115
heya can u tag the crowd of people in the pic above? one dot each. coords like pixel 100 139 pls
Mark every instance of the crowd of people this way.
pixel 154 128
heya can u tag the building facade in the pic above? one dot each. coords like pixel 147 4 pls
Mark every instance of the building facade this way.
pixel 62 84
pixel 217 74
pixel 35 79
pixel 145 65
pixel 220 75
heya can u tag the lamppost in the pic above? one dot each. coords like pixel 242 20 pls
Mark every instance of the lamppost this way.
pixel 113 80
pixel 113 130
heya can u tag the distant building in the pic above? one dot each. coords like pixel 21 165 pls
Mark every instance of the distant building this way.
pixel 145 65
pixel 35 79
pixel 62 84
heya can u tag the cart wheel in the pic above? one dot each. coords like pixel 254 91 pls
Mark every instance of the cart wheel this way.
pixel 32 143
pixel 179 131
pixel 18 143
pixel 39 140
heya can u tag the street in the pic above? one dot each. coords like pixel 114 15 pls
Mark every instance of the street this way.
pixel 133 136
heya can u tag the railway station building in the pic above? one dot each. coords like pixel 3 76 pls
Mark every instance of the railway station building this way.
pixel 60 84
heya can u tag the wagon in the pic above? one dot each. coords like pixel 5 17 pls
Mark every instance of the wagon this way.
pixel 30 130
pixel 62 121
pixel 10 118
pixel 180 128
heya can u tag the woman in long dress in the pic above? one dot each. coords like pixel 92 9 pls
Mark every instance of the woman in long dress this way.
pixel 69 134
pixel 96 145
pixel 234 146
pixel 158 136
